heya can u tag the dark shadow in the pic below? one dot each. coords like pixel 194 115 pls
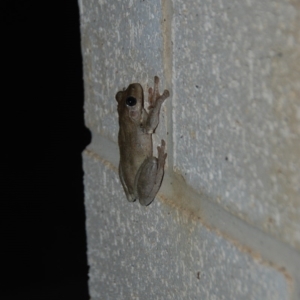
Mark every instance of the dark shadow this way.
pixel 43 237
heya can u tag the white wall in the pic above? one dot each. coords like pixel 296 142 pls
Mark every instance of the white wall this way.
pixel 226 223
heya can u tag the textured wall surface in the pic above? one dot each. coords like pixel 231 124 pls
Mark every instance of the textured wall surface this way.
pixel 238 64
pixel 226 223
pixel 159 253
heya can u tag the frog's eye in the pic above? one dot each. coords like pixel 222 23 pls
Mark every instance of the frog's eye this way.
pixel 130 101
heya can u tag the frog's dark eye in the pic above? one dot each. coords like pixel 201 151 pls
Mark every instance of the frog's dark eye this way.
pixel 130 101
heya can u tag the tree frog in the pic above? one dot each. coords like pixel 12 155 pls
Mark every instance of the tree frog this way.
pixel 140 172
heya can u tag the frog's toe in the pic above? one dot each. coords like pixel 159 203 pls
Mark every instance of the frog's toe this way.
pixel 166 93
pixel 146 201
pixel 131 197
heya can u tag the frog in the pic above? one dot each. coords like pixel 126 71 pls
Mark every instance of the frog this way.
pixel 140 172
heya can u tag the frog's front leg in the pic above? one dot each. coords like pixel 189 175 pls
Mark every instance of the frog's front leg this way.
pixel 155 100
pixel 149 176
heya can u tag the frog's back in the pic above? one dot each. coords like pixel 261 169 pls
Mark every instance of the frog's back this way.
pixel 134 147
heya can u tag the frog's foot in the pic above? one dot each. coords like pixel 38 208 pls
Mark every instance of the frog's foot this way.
pixel 130 197
pixel 154 96
pixel 161 155
pixel 150 176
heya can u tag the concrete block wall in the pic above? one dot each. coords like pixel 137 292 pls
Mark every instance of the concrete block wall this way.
pixel 226 222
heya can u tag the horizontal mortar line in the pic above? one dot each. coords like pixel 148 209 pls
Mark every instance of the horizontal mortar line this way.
pixel 246 237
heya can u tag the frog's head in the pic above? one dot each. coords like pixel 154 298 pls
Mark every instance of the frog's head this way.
pixel 131 102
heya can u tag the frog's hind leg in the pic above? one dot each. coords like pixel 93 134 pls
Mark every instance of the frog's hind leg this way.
pixel 130 197
pixel 150 175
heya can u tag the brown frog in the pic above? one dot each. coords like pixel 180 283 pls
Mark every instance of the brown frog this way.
pixel 140 172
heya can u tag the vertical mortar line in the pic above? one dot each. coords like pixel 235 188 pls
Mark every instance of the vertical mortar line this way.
pixel 166 25
pixel 80 8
